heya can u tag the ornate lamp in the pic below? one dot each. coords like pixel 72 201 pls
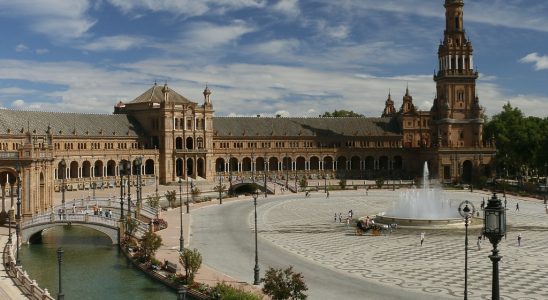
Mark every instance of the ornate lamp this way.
pixel 494 228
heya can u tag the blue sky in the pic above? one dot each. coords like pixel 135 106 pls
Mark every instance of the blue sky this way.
pixel 289 57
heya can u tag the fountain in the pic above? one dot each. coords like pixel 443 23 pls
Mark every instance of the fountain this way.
pixel 421 207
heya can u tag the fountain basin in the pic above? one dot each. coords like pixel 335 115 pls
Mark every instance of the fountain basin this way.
pixel 440 223
pixel 407 222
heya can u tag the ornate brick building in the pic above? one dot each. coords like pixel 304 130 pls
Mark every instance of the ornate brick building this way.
pixel 176 137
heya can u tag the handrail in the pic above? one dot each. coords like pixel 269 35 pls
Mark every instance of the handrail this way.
pixel 21 279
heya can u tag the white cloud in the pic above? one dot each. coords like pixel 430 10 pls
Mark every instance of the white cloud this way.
pixel 115 43
pixel 509 13
pixel 15 91
pixel 203 35
pixel 494 97
pixel 276 47
pixel 288 7
pixel 187 8
pixel 58 19
pixel 18 103
pixel 41 51
pixel 21 48
pixel 540 62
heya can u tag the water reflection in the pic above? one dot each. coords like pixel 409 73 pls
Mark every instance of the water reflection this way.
pixel 92 267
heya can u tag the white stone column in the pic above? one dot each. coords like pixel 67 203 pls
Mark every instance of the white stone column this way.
pixel 450 63
pixel 471 62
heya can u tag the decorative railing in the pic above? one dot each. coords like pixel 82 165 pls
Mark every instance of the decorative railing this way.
pixel 20 277
pixel 9 155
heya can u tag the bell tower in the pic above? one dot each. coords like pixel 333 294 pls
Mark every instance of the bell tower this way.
pixel 456 112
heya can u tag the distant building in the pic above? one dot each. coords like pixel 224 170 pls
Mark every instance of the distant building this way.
pixel 176 137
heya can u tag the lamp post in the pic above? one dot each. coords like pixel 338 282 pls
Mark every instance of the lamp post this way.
pixel 505 209
pixel 18 216
pixel 63 165
pixel 494 228
pixel 220 187
pixel 265 190
pixel 230 176
pixel 286 172
pixel 138 164
pixel 466 210
pixel 256 280
pixel 128 172
pixel 187 191
pixel 10 217
pixel 181 237
pixel 93 187
pixel 122 167
pixel 181 293
pixel 545 181
pixel 60 296
pixel 325 182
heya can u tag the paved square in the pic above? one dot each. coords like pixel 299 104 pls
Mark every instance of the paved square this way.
pixel 306 227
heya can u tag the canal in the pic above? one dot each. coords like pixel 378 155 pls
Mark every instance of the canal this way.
pixel 92 267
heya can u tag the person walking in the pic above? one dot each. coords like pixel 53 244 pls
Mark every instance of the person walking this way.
pixel 422 237
pixel 327 195
pixel 517 206
pixel 479 243
pixel 335 220
pixel 519 239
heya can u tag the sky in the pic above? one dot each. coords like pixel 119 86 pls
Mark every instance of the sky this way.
pixel 290 57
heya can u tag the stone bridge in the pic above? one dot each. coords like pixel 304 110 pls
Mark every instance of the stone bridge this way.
pixel 35 225
pixel 78 213
pixel 272 186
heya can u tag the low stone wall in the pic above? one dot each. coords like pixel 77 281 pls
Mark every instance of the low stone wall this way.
pixel 191 294
pixel 28 286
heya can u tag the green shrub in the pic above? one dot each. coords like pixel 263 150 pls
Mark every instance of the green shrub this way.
pixel 379 182
pixel 284 284
pixel 191 261
pixel 227 292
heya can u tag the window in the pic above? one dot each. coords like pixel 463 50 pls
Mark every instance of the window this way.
pixel 460 95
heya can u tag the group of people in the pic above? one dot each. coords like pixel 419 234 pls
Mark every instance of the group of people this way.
pixel 340 217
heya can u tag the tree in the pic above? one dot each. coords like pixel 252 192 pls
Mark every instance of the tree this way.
pixel 342 184
pixel 341 114
pixel 221 187
pixel 150 243
pixel 171 196
pixel 284 284
pixel 153 201
pixel 379 182
pixel 131 225
pixel 519 140
pixel 191 261
pixel 303 182
pixel 195 192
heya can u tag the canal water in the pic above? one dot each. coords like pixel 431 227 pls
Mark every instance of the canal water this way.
pixel 92 267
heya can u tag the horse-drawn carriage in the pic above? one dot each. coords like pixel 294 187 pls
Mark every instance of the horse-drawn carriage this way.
pixel 363 227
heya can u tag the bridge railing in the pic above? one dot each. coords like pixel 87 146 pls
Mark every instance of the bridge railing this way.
pixel 20 277
pixel 109 202
pixel 69 217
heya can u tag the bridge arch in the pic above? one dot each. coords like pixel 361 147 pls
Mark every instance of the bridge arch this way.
pixel 30 231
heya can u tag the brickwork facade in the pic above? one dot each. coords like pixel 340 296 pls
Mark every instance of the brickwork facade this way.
pixel 175 137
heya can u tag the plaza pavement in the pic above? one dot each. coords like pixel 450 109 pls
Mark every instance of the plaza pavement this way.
pixel 397 261
pixel 305 228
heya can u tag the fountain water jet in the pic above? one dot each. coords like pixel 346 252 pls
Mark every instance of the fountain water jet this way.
pixel 421 207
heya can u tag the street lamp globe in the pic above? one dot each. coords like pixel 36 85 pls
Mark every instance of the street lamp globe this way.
pixel 494 222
